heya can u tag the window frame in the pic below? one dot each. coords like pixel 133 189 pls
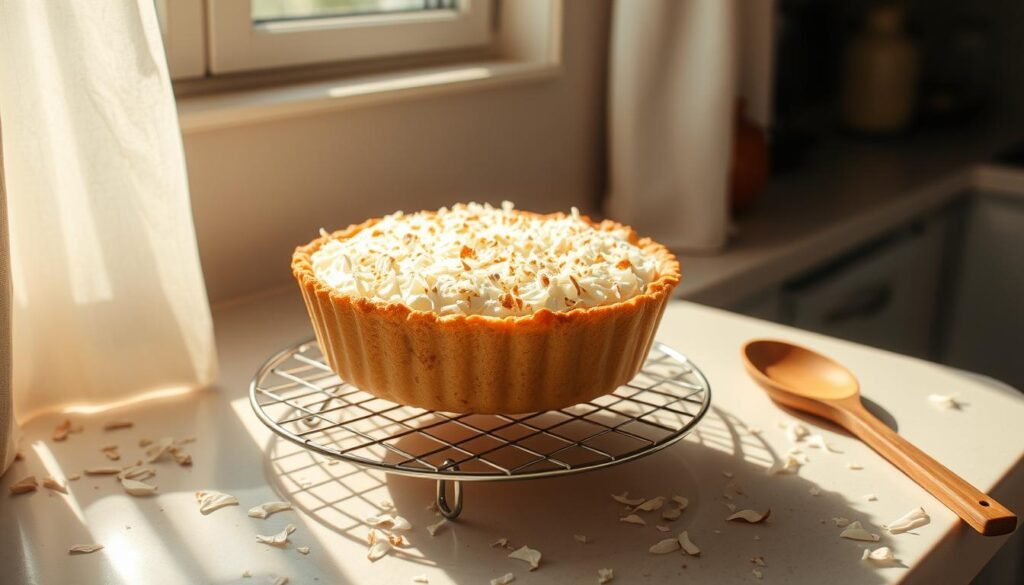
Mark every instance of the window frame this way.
pixel 236 44
pixel 183 26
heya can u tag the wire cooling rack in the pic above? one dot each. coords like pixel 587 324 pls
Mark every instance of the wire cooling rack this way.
pixel 297 395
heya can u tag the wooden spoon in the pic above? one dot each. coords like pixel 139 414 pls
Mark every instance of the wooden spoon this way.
pixel 802 379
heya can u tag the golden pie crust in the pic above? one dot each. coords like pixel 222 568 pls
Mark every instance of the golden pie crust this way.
pixel 483 364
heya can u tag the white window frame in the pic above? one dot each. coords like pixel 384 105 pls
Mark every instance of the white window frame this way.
pixel 237 44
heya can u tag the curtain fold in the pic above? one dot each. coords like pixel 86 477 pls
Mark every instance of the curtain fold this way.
pixel 108 296
pixel 671 99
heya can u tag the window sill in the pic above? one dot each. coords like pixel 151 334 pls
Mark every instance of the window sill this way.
pixel 203 113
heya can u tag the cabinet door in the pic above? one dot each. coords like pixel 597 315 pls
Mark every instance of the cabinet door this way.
pixel 986 331
pixel 884 296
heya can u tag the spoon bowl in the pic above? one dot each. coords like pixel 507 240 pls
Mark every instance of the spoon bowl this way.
pixel 808 381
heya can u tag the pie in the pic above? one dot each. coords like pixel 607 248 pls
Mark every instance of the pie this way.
pixel 485 309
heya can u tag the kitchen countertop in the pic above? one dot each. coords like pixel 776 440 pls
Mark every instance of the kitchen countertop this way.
pixel 164 539
pixel 849 192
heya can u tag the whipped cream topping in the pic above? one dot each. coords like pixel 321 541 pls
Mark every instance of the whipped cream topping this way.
pixel 480 260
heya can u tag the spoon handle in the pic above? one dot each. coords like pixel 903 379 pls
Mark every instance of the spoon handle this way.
pixel 983 513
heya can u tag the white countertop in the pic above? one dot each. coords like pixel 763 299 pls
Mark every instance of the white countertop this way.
pixel 164 539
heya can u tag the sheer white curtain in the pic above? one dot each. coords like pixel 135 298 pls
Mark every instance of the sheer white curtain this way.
pixel 671 98
pixel 108 297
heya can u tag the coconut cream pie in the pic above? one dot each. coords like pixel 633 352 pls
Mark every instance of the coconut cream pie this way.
pixel 481 309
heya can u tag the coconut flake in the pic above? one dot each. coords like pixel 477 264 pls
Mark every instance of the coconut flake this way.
pixel 662 528
pixel 84 549
pixel 817 441
pixel 672 513
pixel 389 521
pixel 727 474
pixel 114 425
pixel 664 547
pixel 796 432
pixel 814 491
pixel 625 500
pixel 420 579
pixel 24 486
pixel 527 554
pixel 750 516
pixel 138 488
pixel 682 501
pixel 854 466
pixel 840 522
pixel 581 538
pixel 731 506
pixel 605 576
pixel 268 508
pixel 111 452
pixel 503 543
pixel 102 470
pixel 687 545
pixel 651 505
pixel 944 401
pixel 211 501
pixel 504 579
pixel 50 483
pixel 247 573
pixel 757 573
pixel 758 560
pixel 74 476
pixel 856 532
pixel 159 449
pixel 909 521
pixel 433 528
pixel 303 549
pixel 280 581
pixel 633 519
pixel 787 465
pixel 136 472
pixel 280 539
pixel 871 497
pixel 880 554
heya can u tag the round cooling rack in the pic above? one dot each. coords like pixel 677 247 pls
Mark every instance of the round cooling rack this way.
pixel 297 395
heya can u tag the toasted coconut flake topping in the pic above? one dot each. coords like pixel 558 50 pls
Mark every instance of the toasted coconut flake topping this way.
pixel 687 545
pixel 856 532
pixel 426 260
pixel 268 508
pixel 528 555
pixel 211 501
pixel 24 486
pixel 605 576
pixel 909 521
pixel 504 579
pixel 750 516
pixel 633 519
pixel 84 549
pixel 663 547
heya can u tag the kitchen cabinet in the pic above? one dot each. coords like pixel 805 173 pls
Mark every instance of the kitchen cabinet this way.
pixel 986 328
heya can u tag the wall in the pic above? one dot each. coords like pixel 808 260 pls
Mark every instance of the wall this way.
pixel 260 190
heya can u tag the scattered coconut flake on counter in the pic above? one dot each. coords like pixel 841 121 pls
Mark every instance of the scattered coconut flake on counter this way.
pixel 840 522
pixel 303 549
pixel 817 441
pixel 136 472
pixel 111 452
pixel 383 504
pixel 662 528
pixel 433 528
pixel 681 501
pixel 758 560
pixel 420 579
pixel 814 491
pixel 795 431
pixel 727 474
pixel 211 501
pixel 871 497
pixel 504 579
pixel 378 546
pixel 50 483
pixel 625 500
pixel 909 521
pixel 663 547
pixel 74 476
pixel 246 573
pixel 854 531
pixel 388 521
pixel 527 554
pixel 730 506
pixel 137 488
pixel 672 513
pixel 159 449
pixel 750 516
pixel 945 402
pixel 651 505
pixel 24 486
pixel 102 470
pixel 114 425
pixel 633 519
pixel 268 508
pixel 687 545
pixel 757 573
pixel 280 539
pixel 882 553
pixel 84 549
pixel 503 542
pixel 754 431
pixel 605 576
pixel 281 581
pixel 580 538
pixel 789 464
pixel 854 466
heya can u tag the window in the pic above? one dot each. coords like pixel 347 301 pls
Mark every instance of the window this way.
pixel 210 37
